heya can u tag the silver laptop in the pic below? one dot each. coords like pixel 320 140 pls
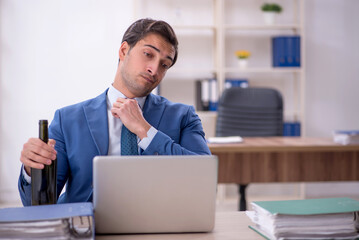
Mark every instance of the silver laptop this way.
pixel 154 194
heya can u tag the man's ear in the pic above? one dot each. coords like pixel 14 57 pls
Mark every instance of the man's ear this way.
pixel 123 50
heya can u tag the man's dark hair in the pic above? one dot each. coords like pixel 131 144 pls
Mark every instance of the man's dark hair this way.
pixel 142 27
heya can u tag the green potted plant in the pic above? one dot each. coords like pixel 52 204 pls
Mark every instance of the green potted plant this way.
pixel 270 10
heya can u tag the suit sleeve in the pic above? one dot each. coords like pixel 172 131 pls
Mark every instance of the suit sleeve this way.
pixel 191 140
pixel 24 189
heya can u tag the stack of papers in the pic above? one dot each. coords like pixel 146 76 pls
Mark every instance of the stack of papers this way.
pixel 330 218
pixel 59 221
pixel 231 139
pixel 346 137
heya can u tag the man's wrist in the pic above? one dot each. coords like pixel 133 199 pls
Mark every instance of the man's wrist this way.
pixel 143 133
pixel 147 140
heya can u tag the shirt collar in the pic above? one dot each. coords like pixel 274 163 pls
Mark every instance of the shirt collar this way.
pixel 113 94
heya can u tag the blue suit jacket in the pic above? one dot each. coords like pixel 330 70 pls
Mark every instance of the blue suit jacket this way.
pixel 81 133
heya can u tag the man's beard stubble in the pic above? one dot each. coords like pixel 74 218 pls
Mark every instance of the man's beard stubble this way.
pixel 137 89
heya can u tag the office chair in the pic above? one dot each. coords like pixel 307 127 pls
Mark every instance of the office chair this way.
pixel 249 112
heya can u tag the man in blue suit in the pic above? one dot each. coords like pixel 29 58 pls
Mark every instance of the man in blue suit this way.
pixel 82 131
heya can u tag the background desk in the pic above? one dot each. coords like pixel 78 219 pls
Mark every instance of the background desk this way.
pixel 286 159
pixel 229 225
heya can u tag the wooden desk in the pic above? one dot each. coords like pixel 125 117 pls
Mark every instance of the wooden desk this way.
pixel 229 225
pixel 286 159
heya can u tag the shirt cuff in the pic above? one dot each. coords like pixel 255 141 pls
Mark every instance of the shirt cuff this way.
pixel 147 140
pixel 25 175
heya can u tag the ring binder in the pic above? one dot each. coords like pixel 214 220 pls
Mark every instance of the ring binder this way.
pixel 57 221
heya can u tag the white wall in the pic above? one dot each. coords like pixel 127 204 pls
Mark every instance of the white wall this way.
pixel 332 77
pixel 332 53
pixel 53 53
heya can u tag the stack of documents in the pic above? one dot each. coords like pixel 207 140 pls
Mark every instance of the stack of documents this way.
pixel 231 139
pixel 59 221
pixel 329 218
pixel 346 137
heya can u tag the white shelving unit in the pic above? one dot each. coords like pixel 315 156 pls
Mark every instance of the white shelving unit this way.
pixel 210 31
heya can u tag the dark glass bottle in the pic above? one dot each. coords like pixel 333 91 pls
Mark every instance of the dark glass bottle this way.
pixel 43 181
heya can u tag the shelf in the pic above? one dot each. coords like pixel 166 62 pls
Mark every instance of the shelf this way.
pixel 292 115
pixel 180 70
pixel 262 27
pixel 236 70
pixel 207 113
pixel 288 114
pixel 264 70
pixel 194 27
pixel 207 48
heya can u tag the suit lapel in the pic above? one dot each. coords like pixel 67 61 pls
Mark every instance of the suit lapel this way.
pixel 96 116
pixel 153 110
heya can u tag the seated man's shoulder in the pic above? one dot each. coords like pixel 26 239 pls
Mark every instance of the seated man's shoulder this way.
pixel 93 103
pixel 169 104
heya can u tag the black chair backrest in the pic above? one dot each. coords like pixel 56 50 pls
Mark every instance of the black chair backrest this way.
pixel 250 112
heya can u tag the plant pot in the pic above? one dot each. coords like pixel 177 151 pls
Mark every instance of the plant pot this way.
pixel 243 63
pixel 269 18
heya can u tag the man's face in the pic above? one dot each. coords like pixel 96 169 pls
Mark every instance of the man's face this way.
pixel 143 67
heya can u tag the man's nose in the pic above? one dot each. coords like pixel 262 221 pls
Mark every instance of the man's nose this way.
pixel 152 69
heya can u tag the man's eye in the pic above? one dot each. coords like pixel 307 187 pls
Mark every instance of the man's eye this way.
pixel 147 54
pixel 165 66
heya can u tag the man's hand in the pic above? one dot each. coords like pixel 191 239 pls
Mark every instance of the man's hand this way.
pixel 131 116
pixel 35 154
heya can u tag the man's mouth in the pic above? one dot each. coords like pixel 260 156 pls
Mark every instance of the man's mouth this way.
pixel 149 78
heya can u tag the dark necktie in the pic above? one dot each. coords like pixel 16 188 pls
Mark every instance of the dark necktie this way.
pixel 128 142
